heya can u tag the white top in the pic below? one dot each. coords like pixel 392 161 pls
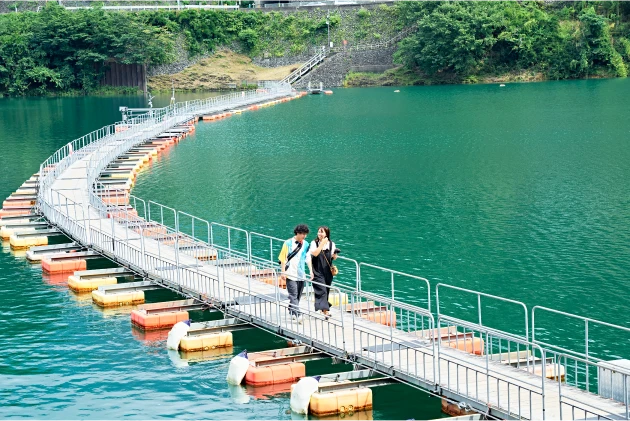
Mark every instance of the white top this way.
pixel 296 264
pixel 326 247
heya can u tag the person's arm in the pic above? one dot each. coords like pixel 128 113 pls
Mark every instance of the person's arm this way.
pixel 333 247
pixel 309 258
pixel 283 259
pixel 318 250
pixel 312 249
pixel 309 263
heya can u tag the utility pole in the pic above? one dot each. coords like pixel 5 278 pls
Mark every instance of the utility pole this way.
pixel 173 95
pixel 328 26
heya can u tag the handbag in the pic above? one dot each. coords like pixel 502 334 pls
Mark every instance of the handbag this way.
pixel 333 268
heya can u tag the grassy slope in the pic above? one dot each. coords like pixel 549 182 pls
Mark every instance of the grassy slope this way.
pixel 217 71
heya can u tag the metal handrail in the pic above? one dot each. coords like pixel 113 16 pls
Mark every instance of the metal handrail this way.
pixel 586 321
pixel 321 55
pixel 479 308
pixel 306 67
pixel 393 273
pixel 173 7
pixel 624 372
pixel 489 334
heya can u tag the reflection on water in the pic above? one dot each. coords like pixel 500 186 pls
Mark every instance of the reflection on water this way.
pixel 176 360
pixel 18 254
pixel 238 394
pixel 358 415
pixel 268 391
pixel 149 336
pixel 6 248
pixel 207 355
pixel 119 311
pixel 56 279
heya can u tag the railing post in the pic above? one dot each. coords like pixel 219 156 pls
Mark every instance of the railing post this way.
pixel 543 376
pixel 586 354
pixel 479 308
pixel 391 316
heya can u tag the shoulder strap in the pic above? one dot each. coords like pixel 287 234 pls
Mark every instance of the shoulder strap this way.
pixel 326 258
pixel 294 252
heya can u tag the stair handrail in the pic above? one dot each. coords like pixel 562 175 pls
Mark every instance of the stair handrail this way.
pixel 321 55
pixel 300 71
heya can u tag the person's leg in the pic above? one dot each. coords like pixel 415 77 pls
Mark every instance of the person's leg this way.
pixel 328 284
pixel 300 288
pixel 300 285
pixel 294 301
pixel 319 290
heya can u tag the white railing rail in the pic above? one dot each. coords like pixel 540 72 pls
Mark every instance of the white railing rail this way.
pixel 163 7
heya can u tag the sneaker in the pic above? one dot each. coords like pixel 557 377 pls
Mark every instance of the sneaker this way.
pixel 294 318
pixel 300 320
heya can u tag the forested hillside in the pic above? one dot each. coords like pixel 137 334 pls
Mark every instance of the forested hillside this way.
pixel 466 40
pixel 56 51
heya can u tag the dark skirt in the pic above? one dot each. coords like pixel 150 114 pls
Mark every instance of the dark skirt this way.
pixel 321 292
pixel 322 280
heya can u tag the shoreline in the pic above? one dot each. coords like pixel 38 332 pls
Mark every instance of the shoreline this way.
pixel 394 77
pixel 400 76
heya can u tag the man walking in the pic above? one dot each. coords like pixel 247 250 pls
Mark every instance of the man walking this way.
pixel 292 260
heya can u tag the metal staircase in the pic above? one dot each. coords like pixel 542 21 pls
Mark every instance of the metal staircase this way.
pixel 306 67
pixel 321 55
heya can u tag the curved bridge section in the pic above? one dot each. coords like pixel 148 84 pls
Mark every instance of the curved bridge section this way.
pixel 484 369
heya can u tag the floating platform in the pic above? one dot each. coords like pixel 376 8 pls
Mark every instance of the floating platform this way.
pixel 343 393
pixel 368 310
pixel 206 341
pixel 24 240
pixel 463 341
pixel 19 219
pixel 341 401
pixel 22 201
pixel 90 280
pixel 211 335
pixel 164 315
pixel 68 262
pixel 35 254
pixel 116 300
pixel 127 293
pixel 10 228
pixel 274 374
pixel 276 366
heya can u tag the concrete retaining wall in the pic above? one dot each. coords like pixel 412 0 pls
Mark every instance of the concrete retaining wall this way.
pixel 334 69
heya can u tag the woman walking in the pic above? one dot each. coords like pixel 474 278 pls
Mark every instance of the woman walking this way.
pixel 322 252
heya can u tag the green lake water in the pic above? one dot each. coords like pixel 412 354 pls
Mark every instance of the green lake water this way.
pixel 520 191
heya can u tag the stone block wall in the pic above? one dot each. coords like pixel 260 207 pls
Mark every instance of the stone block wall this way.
pixel 267 61
pixel 334 69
